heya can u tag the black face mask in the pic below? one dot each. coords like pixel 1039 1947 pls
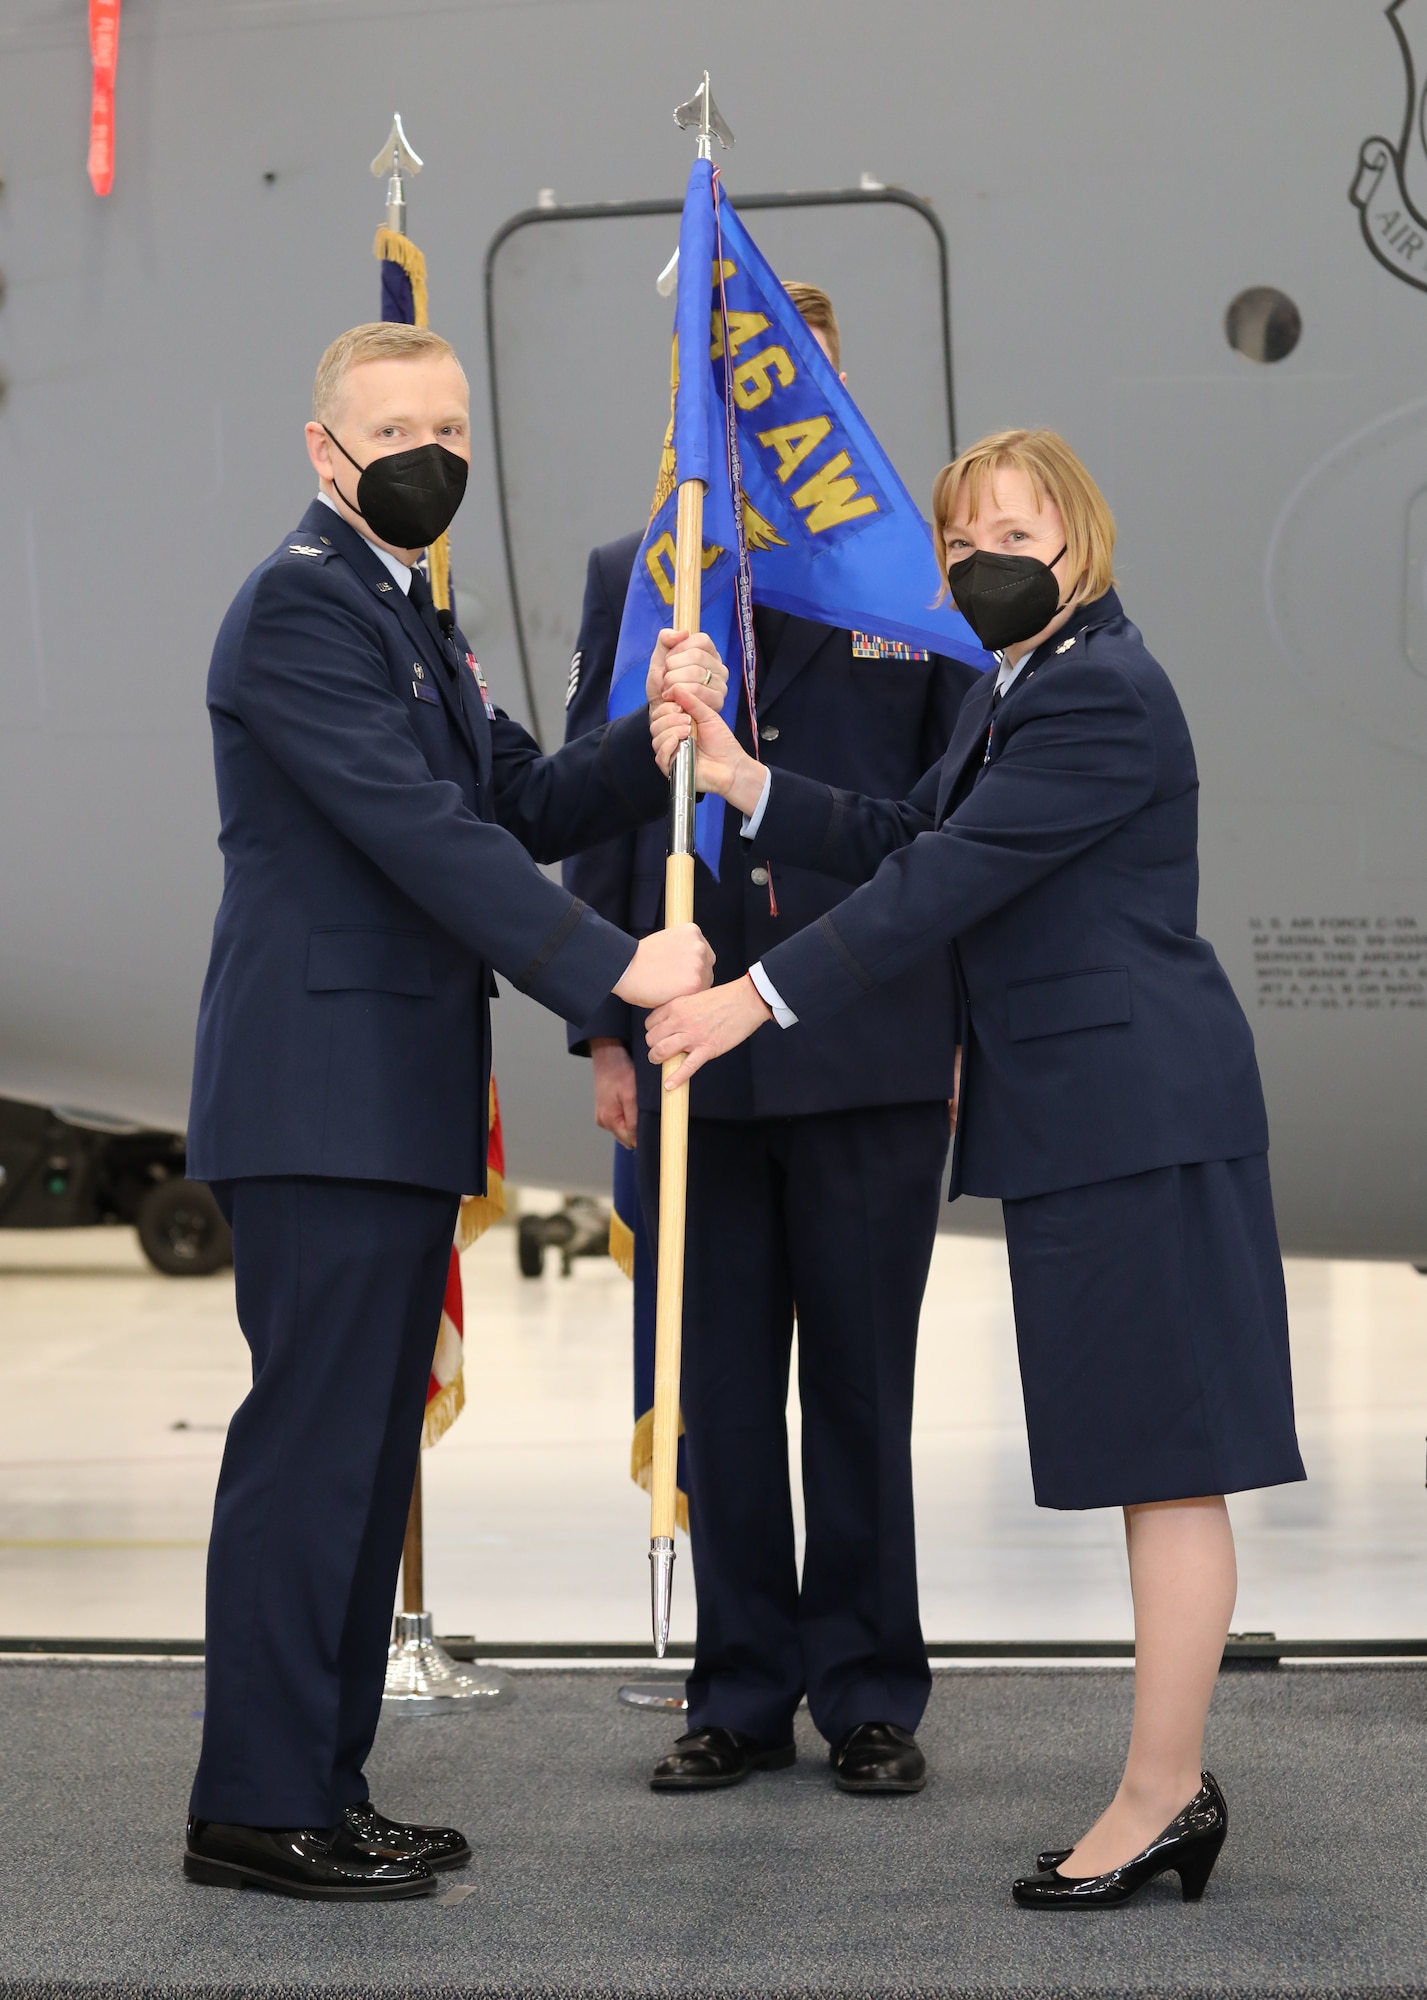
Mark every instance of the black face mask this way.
pixel 408 498
pixel 1004 599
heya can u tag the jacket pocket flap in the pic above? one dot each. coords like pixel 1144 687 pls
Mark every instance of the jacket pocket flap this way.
pixel 1098 999
pixel 377 961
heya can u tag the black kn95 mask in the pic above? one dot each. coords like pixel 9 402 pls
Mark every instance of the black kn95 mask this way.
pixel 1004 599
pixel 408 498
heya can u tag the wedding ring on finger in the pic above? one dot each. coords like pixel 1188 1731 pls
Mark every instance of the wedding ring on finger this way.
pixel 708 676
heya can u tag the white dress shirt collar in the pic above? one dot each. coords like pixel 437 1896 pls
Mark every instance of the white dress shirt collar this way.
pixel 1006 674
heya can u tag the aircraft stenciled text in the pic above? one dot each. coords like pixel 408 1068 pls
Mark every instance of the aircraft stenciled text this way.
pixel 1362 964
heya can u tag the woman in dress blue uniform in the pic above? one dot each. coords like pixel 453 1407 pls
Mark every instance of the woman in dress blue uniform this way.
pixel 1109 1093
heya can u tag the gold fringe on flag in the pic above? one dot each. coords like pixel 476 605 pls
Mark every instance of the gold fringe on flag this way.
pixel 394 248
pixel 621 1243
pixel 641 1463
pixel 397 249
pixel 443 1410
pixel 438 566
pixel 480 1211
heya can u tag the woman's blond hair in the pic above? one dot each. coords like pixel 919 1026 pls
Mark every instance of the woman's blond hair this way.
pixel 1055 474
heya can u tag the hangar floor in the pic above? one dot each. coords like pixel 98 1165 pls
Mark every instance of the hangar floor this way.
pixel 585 1886
pixel 116 1385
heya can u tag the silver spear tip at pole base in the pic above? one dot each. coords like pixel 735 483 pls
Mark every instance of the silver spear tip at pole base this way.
pixel 702 115
pixel 396 158
pixel 661 1589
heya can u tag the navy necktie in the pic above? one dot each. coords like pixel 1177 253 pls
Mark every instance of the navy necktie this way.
pixel 425 603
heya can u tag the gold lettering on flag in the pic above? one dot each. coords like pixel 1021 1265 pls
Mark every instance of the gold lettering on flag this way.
pixel 795 442
pixel 828 499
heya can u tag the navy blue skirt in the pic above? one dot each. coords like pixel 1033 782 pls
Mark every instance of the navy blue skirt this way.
pixel 1153 1335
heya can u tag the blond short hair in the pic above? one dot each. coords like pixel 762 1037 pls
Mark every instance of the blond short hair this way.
pixel 379 340
pixel 1055 474
pixel 816 309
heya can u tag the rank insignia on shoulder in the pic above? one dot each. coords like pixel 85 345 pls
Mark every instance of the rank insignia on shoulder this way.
pixel 572 686
pixel 475 666
pixel 868 646
pixel 1066 647
pixel 302 549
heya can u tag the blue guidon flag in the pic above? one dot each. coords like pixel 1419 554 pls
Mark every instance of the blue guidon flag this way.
pixel 803 508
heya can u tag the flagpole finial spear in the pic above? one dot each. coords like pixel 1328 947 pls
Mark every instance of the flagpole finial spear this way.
pixel 397 159
pixel 703 116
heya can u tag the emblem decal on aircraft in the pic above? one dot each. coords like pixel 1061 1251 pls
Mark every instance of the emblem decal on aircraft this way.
pixel 1389 190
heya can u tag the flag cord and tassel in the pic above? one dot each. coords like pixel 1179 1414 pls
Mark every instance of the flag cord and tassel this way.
pixel 743 574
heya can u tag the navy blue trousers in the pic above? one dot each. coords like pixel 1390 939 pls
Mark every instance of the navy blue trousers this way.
pixel 339 1287
pixel 832 1215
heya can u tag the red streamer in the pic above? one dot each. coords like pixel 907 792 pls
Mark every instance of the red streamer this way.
pixel 104 57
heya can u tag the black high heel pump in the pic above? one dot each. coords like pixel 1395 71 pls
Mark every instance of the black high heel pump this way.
pixel 1189 1846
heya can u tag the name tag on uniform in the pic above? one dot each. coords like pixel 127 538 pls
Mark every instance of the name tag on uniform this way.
pixel 868 646
pixel 425 692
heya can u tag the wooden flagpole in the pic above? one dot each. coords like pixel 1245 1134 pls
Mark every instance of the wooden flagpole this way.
pixel 674 1108
pixel 701 114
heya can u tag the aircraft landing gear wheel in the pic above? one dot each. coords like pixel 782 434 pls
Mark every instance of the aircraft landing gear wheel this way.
pixel 182 1230
pixel 530 1245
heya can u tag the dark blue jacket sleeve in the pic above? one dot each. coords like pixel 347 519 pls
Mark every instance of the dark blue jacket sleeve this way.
pixel 840 833
pixel 1079 761
pixel 312 687
pixel 600 875
pixel 593 787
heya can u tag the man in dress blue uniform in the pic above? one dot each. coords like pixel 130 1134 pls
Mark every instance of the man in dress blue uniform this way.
pixel 813 1177
pixel 379 818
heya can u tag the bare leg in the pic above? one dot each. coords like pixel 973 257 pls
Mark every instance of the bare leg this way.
pixel 1183 1579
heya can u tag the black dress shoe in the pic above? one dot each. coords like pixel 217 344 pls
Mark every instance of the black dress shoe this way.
pixel 437 1846
pixel 878 1757
pixel 707 1759
pixel 325 1863
pixel 1189 1846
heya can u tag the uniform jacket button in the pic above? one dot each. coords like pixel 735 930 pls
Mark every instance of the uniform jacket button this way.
pixel 760 876
pixel 769 732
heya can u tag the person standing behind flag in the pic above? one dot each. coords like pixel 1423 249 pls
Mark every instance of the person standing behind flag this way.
pixel 381 821
pixel 812 1195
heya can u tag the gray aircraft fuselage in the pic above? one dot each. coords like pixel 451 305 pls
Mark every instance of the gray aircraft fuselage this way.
pixel 1109 176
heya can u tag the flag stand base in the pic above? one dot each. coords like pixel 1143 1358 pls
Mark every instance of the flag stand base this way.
pixel 423 1679
pixel 666 1693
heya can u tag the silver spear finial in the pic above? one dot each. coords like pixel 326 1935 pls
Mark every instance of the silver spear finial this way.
pixel 397 159
pixel 702 115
